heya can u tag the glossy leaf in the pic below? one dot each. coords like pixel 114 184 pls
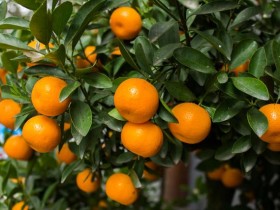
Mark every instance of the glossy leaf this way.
pixel 224 153
pixel 165 112
pixel 258 63
pixel 125 157
pixel 115 114
pixel 41 24
pixel 127 55
pixel 43 70
pixel 8 92
pixel 227 110
pixel 241 145
pixel 144 53
pixel 215 42
pixel 14 23
pixel 215 6
pixel 249 160
pixel 194 60
pixel 258 145
pixel 98 80
pixel 242 52
pixel 135 179
pixel 60 17
pixel 57 57
pixel 179 91
pixel 257 121
pixel 68 170
pixel 245 15
pixel 68 90
pixel 30 4
pixel 7 41
pixel 164 53
pixel 81 117
pixel 3 9
pixel 84 15
pixel 7 61
pixel 251 86
pixel 159 29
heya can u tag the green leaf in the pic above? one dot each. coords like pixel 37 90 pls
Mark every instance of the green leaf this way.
pixel 43 70
pixel 81 117
pixel 3 9
pixel 249 160
pixel 68 170
pixel 171 36
pixel 3 206
pixel 224 153
pixel 179 91
pixel 68 90
pixel 14 23
pixel 7 41
pixel 243 52
pixel 41 24
pixel 258 63
pixel 227 110
pixel 98 80
pixel 257 121
pixel 276 55
pixel 30 4
pixel 177 151
pixel 8 92
pixel 60 17
pixel 245 15
pixel 215 42
pixel 115 114
pixel 57 57
pixel 243 144
pixel 8 63
pixel 159 29
pixel 84 15
pixel 194 60
pixel 164 53
pixel 165 112
pixel 251 86
pixel 215 6
pixel 135 179
pixel 49 192
pixel 259 146
pixel 125 157
pixel 127 55
pixel 144 53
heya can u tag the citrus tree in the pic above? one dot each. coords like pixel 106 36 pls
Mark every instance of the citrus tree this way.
pixel 108 93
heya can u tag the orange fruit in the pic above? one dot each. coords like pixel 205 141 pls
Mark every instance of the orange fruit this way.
pixel 9 109
pixel 90 58
pixel 272 113
pixel 120 188
pixel 116 51
pixel 17 148
pixel 45 96
pixel 86 181
pixel 3 73
pixel 66 126
pixel 241 68
pixel 275 147
pixel 20 206
pixel 41 133
pixel 65 154
pixel 193 125
pixel 125 23
pixel 154 168
pixel 144 139
pixel 232 178
pixel 216 174
pixel 136 100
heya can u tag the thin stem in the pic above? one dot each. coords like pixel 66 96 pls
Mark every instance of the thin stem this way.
pixel 183 21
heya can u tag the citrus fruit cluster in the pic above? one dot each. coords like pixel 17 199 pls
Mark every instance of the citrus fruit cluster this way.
pixel 229 176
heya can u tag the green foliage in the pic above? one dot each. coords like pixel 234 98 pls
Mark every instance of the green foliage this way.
pixel 189 55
